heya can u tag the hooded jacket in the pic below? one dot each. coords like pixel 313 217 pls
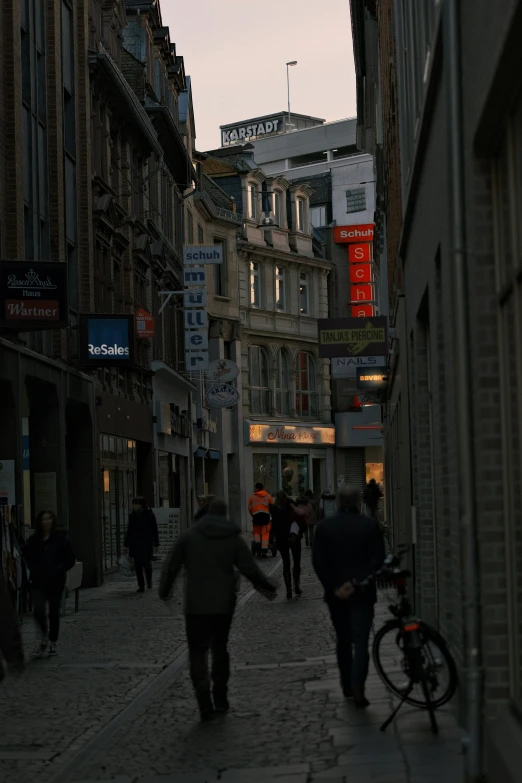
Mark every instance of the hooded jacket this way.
pixel 211 550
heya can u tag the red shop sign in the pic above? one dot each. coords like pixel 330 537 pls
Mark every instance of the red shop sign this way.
pixel 144 323
pixel 363 311
pixel 361 293
pixel 360 233
pixel 360 254
pixel 361 273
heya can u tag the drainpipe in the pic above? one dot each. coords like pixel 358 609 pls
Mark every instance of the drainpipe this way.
pixel 474 671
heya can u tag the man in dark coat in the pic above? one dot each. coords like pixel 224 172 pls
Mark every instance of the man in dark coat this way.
pixel 142 541
pixel 349 547
pixel 211 550
pixel 10 640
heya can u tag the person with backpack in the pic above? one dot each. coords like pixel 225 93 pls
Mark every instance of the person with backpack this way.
pixel 211 551
pixel 48 555
pixel 142 541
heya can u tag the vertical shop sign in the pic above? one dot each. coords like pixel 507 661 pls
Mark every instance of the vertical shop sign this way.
pixel 195 312
pixel 360 254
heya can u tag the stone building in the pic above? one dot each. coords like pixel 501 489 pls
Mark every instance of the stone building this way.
pixel 451 202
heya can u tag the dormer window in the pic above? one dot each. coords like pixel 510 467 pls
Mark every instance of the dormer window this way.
pixel 252 202
pixel 301 213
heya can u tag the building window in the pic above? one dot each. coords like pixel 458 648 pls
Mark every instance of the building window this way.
pixel 301 213
pixel 306 391
pixel 259 389
pixel 277 208
pixel 252 202
pixel 34 122
pixel 344 152
pixel 220 270
pixel 255 284
pixel 190 228
pixel 283 383
pixel 280 301
pixel 201 235
pixel 355 200
pixel 304 304
pixel 318 217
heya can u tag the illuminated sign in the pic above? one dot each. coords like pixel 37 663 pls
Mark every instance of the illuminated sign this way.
pixel 107 340
pixel 352 337
pixel 197 254
pixel 349 234
pixel 363 311
pixel 290 434
pixel 361 273
pixel 346 366
pixel 33 295
pixel 361 293
pixel 371 379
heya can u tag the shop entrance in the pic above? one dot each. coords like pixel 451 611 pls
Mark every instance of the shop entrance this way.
pixel 118 471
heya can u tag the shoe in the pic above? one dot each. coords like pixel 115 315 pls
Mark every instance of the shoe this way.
pixel 149 585
pixel 348 693
pixel 221 704
pixel 53 649
pixel 140 590
pixel 360 699
pixel 40 649
pixel 206 708
pixel 207 715
pixel 297 584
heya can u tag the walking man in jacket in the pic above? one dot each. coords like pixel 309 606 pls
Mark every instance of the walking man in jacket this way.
pixel 258 504
pixel 142 541
pixel 349 547
pixel 211 550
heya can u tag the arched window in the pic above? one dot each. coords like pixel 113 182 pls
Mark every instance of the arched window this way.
pixel 278 207
pixel 306 402
pixel 259 388
pixel 283 383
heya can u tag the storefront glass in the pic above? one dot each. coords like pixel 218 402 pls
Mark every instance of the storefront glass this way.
pixel 375 470
pixel 294 474
pixel 118 458
pixel 265 471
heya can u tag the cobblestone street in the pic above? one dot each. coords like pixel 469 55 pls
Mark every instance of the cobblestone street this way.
pixel 117 704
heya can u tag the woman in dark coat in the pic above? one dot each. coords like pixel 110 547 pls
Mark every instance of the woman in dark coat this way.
pixel 287 535
pixel 49 556
pixel 142 541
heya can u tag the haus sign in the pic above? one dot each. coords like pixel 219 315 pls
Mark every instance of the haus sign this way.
pixel 33 295
pixel 290 434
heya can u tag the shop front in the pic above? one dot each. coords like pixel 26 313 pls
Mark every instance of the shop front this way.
pixel 360 449
pixel 291 457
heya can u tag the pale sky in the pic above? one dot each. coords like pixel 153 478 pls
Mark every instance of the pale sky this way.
pixel 236 52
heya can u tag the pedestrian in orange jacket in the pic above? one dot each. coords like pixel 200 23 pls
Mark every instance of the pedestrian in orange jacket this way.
pixel 258 507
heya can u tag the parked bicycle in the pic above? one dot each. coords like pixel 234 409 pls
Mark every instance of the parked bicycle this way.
pixel 411 658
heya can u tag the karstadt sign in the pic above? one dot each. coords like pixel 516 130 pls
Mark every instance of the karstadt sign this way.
pixel 253 131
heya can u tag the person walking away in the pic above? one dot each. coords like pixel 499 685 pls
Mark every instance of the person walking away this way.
pixel 11 649
pixel 281 511
pixel 211 550
pixel 142 541
pixel 371 497
pixel 314 515
pixel 349 547
pixel 204 502
pixel 48 555
pixel 302 517
pixel 258 504
pixel 327 504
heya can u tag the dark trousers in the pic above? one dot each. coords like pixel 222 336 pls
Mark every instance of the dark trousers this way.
pixel 142 564
pixel 309 535
pixel 285 547
pixel 209 632
pixel 352 624
pixel 41 597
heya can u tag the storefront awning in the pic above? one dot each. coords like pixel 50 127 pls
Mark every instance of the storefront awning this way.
pixel 214 454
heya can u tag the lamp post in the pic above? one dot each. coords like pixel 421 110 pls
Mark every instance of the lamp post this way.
pixel 294 62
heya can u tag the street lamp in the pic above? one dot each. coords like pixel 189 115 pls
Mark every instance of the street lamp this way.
pixel 294 62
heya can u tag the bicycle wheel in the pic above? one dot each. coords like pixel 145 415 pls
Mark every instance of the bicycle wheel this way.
pixel 439 672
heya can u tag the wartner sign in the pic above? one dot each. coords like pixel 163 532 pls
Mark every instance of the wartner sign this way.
pixel 349 234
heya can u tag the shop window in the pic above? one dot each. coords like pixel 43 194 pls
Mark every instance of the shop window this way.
pixel 255 284
pixel 280 299
pixel 259 388
pixel 306 390
pixel 294 474
pixel 265 471
pixel 284 390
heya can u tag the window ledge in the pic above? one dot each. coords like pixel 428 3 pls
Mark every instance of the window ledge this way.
pixel 222 298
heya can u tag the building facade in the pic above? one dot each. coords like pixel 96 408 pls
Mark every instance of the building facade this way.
pixel 448 188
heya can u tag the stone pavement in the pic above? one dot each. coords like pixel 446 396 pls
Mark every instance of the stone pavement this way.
pixel 115 707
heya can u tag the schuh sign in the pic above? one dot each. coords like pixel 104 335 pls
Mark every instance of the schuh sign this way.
pixel 33 295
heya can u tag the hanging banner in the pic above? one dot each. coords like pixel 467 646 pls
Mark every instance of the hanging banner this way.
pixel 222 396
pixel 222 370
pixel 196 361
pixel 360 254
pixel 361 273
pixel 352 337
pixel 350 234
pixel 33 295
pixel 144 324
pixel 195 319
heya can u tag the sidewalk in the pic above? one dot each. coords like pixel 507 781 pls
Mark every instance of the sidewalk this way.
pixel 115 707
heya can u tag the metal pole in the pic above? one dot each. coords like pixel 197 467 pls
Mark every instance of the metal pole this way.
pixel 474 671
pixel 288 88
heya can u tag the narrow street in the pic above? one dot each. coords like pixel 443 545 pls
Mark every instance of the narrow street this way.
pixel 117 703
